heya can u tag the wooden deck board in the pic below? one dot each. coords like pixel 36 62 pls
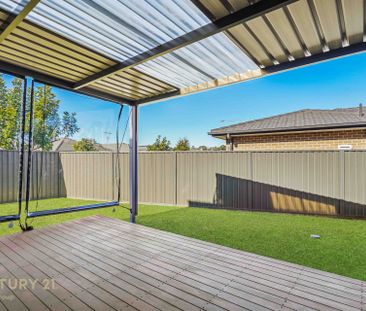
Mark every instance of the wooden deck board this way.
pixel 99 263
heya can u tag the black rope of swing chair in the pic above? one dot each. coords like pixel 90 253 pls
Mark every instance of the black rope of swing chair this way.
pixel 92 206
pixel 9 218
pixel 23 224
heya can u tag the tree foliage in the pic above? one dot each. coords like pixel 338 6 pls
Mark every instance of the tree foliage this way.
pixel 85 144
pixel 5 115
pixel 182 145
pixel 69 124
pixel 160 144
pixel 203 147
pixel 219 148
pixel 47 124
pixel 14 97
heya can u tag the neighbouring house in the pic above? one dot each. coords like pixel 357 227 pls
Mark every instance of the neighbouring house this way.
pixel 113 147
pixel 309 129
pixel 65 145
pixel 123 148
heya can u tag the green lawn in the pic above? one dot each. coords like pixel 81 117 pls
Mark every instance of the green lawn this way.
pixel 341 248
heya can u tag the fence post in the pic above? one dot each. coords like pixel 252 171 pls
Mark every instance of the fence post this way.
pixel 58 173
pixel 342 177
pixel 175 177
pixel 251 181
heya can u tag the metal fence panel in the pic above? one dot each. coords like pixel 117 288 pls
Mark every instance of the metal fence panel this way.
pixel 157 177
pixel 310 182
pixel 8 176
pixel 44 182
pixel 354 184
pixel 88 175
pixel 124 173
pixel 217 179
pixel 299 182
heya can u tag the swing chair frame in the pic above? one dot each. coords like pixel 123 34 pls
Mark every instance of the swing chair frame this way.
pixel 27 215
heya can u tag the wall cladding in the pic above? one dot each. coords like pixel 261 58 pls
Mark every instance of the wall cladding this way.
pixel 326 140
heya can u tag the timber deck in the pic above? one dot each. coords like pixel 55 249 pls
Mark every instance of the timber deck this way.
pixel 99 263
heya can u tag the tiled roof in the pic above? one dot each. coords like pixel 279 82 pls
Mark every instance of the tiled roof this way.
pixel 308 119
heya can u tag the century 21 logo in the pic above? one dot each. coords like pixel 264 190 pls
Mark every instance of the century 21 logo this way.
pixel 14 283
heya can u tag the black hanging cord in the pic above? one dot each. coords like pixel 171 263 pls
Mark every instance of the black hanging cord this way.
pixel 29 164
pixel 21 152
pixel 124 131
pixel 29 158
pixel 40 167
pixel 119 143
pixel 118 164
pixel 39 181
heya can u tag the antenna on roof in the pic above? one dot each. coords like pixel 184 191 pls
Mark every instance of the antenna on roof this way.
pixel 361 110
pixel 224 121
pixel 107 134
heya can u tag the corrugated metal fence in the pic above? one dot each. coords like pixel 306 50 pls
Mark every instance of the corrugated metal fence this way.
pixel 46 178
pixel 311 182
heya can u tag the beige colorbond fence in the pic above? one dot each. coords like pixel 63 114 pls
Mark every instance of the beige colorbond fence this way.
pixel 46 182
pixel 311 182
pixel 88 175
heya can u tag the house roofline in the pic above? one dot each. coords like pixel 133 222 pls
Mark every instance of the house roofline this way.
pixel 353 126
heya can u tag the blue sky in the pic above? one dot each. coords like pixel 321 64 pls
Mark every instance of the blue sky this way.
pixel 333 84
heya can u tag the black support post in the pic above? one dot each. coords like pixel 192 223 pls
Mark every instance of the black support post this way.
pixel 133 164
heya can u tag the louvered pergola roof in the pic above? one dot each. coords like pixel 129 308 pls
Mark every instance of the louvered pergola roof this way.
pixel 146 50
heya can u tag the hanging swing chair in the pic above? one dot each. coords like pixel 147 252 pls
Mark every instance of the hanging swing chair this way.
pixel 23 217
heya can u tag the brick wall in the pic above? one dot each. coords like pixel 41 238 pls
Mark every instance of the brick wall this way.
pixel 326 140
